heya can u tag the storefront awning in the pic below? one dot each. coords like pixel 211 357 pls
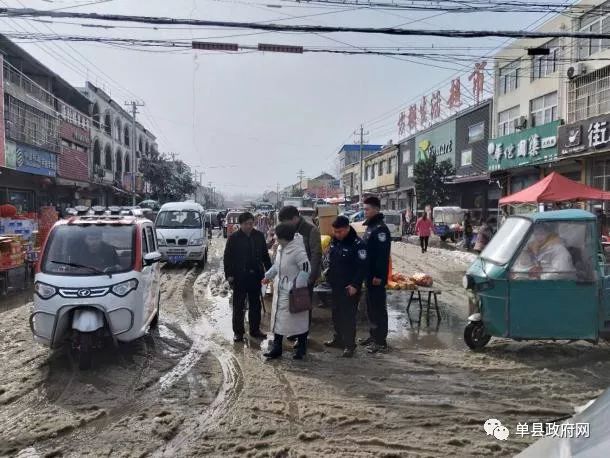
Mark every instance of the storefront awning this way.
pixel 469 178
pixel 555 188
pixel 68 182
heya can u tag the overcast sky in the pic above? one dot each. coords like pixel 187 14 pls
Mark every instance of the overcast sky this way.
pixel 252 120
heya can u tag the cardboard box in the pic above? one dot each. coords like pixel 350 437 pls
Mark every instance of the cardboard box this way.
pixel 325 224
pixel 328 210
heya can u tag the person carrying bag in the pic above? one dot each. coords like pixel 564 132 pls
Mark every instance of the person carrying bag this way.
pixel 291 299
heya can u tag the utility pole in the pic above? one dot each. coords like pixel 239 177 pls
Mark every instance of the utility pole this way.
pixel 212 193
pixel 134 111
pixel 277 195
pixel 362 134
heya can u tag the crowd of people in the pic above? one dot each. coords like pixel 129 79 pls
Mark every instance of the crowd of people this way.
pixel 353 262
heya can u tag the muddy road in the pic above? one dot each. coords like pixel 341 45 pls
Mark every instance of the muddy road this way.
pixel 187 390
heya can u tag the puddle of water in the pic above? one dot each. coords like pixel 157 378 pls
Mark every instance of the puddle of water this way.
pixel 406 329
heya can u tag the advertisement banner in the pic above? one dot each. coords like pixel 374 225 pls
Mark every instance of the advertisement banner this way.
pixel 537 145
pixel 29 159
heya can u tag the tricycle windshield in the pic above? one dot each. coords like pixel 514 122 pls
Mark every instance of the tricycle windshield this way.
pixel 503 245
pixel 187 219
pixel 89 250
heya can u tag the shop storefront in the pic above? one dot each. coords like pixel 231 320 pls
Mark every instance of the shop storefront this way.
pixel 523 155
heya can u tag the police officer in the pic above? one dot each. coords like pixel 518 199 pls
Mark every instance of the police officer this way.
pixel 378 245
pixel 347 256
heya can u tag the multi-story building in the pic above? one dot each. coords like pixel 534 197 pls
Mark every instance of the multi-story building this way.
pixel 529 104
pixel 381 176
pixel 46 134
pixel 461 139
pixel 111 152
pixel 349 165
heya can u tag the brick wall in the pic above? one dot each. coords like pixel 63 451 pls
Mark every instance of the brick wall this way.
pixel 74 156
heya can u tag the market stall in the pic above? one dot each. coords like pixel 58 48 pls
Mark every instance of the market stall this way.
pixel 21 237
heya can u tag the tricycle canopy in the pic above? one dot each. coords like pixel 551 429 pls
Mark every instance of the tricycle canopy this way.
pixel 447 215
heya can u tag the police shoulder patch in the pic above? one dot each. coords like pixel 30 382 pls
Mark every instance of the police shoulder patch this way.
pixel 362 254
pixel 382 237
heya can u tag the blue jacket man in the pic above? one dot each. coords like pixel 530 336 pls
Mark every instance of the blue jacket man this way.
pixel 347 270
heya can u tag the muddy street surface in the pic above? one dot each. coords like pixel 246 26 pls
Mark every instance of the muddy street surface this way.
pixel 187 390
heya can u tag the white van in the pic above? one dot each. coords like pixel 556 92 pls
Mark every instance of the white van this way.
pixel 181 233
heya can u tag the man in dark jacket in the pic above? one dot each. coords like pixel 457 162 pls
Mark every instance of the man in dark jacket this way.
pixel 378 245
pixel 346 273
pixel 246 260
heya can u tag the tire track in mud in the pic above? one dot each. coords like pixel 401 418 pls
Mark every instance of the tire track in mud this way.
pixel 202 333
pixel 293 406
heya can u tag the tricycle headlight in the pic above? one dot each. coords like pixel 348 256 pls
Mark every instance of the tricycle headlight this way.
pixel 124 288
pixel 44 291
pixel 196 242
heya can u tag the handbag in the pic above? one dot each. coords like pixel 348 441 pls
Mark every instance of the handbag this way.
pixel 299 299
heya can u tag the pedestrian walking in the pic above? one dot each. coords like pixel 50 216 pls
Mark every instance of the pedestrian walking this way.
pixel 291 270
pixel 423 228
pixel 245 261
pixel 378 245
pixel 220 218
pixel 346 272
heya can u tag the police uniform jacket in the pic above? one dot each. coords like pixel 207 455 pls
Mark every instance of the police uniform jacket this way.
pixel 348 262
pixel 378 245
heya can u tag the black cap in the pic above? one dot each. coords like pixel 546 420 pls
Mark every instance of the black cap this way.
pixel 341 221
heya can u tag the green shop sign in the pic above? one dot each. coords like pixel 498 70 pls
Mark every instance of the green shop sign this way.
pixel 438 142
pixel 537 145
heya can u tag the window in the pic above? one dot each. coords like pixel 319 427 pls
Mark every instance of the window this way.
pixel 380 168
pixel 589 95
pixel 366 173
pixel 152 242
pixel 546 65
pixel 372 174
pixel 504 244
pixel 543 109
pixel 145 249
pixel 509 77
pixel 476 132
pixel 108 124
pixel 390 164
pixel 179 219
pixel 126 135
pixel 593 22
pixel 466 157
pixel 410 172
pixel 406 156
pixel 556 251
pixel 506 121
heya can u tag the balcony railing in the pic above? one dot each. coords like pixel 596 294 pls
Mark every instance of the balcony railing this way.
pixel 14 76
pixel 27 124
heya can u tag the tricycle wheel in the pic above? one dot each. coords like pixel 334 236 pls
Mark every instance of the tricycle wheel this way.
pixel 85 349
pixel 475 336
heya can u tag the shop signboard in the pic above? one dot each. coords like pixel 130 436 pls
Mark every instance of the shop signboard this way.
pixel 583 137
pixel 29 159
pixel 438 142
pixel 537 145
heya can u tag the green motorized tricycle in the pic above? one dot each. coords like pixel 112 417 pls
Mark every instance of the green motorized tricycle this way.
pixel 542 276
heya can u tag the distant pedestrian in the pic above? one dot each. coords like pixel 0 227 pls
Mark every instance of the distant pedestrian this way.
pixel 378 246
pixel 423 228
pixel 245 261
pixel 486 232
pixel 347 270
pixel 468 231
pixel 291 270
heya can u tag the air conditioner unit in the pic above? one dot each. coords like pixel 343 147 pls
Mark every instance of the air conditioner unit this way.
pixel 577 70
pixel 520 123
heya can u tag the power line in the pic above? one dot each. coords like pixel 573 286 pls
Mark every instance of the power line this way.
pixel 16 12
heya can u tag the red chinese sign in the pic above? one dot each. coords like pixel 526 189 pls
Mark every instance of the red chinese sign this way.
pixel 455 94
pixel 478 80
pixel 435 105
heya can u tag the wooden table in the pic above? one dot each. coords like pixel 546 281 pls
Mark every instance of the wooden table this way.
pixel 432 293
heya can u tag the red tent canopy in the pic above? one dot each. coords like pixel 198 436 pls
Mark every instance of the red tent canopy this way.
pixel 555 188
